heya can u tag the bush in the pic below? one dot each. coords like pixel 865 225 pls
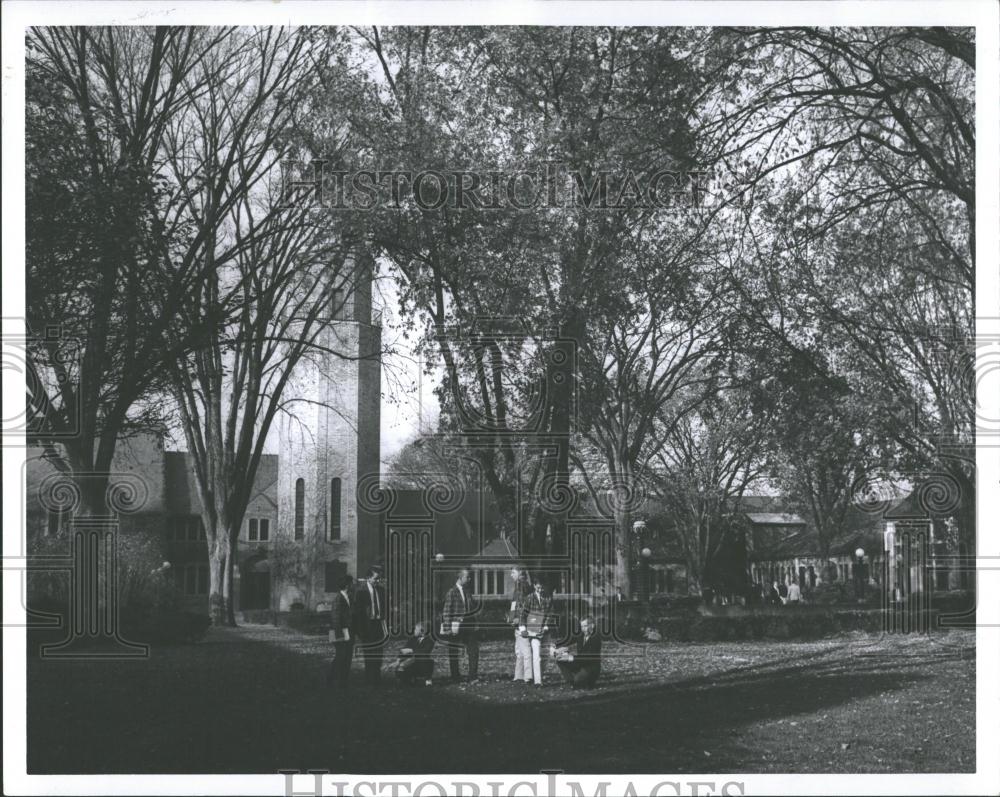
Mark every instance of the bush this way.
pixel 149 604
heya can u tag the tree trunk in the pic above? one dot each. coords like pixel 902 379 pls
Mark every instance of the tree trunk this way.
pixel 228 598
pixel 218 572
pixel 623 553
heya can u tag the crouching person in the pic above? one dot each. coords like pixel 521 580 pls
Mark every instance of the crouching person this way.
pixel 582 668
pixel 415 666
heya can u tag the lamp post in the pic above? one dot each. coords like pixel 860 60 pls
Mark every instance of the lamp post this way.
pixel 639 539
pixel 859 574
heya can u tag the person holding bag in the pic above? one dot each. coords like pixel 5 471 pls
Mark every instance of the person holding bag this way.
pixel 537 615
pixel 522 643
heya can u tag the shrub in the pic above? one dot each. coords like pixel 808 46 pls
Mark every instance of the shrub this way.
pixel 149 604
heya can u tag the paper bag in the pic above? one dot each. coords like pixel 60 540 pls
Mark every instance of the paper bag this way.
pixel 535 623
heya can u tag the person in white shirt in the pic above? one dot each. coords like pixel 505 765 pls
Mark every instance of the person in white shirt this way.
pixel 794 593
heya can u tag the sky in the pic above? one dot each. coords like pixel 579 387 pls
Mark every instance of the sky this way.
pixel 401 399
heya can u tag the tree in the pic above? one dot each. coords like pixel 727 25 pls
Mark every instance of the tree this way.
pixel 514 101
pixel 824 452
pixel 100 106
pixel 654 359
pixel 711 457
pixel 858 221
pixel 283 273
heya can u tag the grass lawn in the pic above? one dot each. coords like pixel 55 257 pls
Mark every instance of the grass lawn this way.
pixel 254 699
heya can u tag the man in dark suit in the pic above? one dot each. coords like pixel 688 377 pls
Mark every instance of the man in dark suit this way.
pixel 582 668
pixel 457 619
pixel 415 663
pixel 370 611
pixel 341 622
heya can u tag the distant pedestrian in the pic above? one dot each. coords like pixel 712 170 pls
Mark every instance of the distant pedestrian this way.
pixel 774 597
pixel 794 594
pixel 783 592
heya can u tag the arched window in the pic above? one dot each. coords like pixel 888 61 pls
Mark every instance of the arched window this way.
pixel 334 509
pixel 300 509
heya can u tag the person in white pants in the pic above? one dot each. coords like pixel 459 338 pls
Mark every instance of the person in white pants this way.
pixel 538 610
pixel 522 644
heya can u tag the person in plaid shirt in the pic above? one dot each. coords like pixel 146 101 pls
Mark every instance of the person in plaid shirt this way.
pixel 522 644
pixel 536 616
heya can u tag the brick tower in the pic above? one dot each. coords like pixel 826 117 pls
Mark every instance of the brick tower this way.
pixel 327 446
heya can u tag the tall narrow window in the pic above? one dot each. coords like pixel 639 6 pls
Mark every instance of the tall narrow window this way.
pixel 334 509
pixel 252 529
pixel 300 509
pixel 338 309
pixel 265 529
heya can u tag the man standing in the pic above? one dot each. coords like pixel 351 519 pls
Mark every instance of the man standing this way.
pixel 369 622
pixel 581 669
pixel 522 645
pixel 794 594
pixel 341 621
pixel 537 615
pixel 456 618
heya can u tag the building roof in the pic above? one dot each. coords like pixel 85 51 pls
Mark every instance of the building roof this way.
pixel 775 519
pixel 499 548
pixel 930 499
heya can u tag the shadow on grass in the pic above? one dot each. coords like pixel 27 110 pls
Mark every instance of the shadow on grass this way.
pixel 230 705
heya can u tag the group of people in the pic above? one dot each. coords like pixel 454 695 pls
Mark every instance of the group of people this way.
pixel 778 594
pixel 358 615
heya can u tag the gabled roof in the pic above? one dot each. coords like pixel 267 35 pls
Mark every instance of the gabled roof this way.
pixel 499 548
pixel 926 501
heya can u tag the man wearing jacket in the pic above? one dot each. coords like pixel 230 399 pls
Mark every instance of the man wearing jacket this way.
pixel 582 668
pixel 415 665
pixel 370 613
pixel 341 621
pixel 536 616
pixel 459 626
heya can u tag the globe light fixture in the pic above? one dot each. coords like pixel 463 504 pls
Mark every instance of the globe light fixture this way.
pixel 860 553
pixel 646 553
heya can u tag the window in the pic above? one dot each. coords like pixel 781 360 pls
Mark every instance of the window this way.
pixel 300 509
pixel 195 528
pixel 334 509
pixel 333 574
pixel 258 529
pixel 488 582
pixel 338 307
pixel 188 528
pixel 192 579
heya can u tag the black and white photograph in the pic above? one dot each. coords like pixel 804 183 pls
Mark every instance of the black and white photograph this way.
pixel 454 398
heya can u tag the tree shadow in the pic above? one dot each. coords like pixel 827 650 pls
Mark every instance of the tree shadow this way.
pixel 235 705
